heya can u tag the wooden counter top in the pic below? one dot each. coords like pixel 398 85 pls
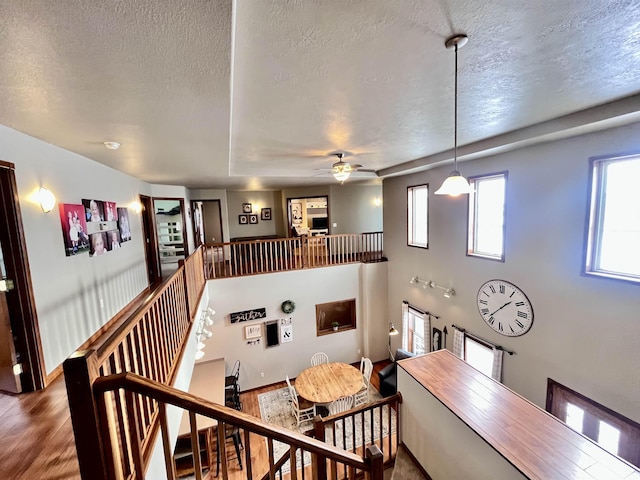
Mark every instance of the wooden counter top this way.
pixel 536 443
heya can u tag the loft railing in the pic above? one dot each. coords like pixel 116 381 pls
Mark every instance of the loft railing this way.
pixel 149 343
pixel 252 257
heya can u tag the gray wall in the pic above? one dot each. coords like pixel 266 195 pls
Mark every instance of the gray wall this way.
pixel 258 200
pixel 585 334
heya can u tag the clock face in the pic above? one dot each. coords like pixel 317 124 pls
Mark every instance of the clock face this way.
pixel 505 308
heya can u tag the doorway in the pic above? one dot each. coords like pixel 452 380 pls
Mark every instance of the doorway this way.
pixel 171 233
pixel 150 242
pixel 207 221
pixel 308 215
pixel 22 366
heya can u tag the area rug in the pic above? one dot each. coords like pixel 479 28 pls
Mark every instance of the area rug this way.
pixel 275 408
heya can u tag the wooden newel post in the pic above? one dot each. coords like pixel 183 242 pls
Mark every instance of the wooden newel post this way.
pixel 375 459
pixel 80 371
pixel 318 462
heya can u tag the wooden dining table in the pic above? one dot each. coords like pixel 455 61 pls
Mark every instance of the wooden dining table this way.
pixel 328 382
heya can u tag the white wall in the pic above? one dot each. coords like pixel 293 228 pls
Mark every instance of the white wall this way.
pixel 306 288
pixel 434 435
pixel 74 295
pixel 585 333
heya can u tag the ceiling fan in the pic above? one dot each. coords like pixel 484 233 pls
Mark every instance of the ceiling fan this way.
pixel 341 170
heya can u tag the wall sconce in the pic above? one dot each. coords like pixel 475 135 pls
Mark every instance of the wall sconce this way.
pixel 135 206
pixel 377 201
pixel 448 291
pixel 47 199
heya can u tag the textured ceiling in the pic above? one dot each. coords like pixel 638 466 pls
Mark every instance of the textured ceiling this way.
pixel 256 93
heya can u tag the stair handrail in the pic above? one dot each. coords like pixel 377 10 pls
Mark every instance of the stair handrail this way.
pixel 132 383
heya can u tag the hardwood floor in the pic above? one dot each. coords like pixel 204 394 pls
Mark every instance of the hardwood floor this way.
pixel 38 443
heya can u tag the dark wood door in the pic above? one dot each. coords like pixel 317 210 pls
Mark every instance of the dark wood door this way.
pixel 150 240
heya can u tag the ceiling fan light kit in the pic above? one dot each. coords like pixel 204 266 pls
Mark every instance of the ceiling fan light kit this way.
pixel 455 184
pixel 341 170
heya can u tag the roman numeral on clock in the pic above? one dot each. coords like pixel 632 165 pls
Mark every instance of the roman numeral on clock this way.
pixel 519 304
pixel 501 288
pixel 483 302
pixel 522 314
pixel 492 288
pixel 484 311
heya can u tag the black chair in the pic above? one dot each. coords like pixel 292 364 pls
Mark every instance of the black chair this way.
pixel 388 375
pixel 233 433
pixel 232 388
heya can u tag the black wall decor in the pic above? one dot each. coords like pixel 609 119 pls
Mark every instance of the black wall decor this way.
pixel 248 315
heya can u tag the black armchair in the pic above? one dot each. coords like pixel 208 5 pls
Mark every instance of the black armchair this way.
pixel 388 375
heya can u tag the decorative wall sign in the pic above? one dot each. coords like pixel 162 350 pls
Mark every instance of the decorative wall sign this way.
pixel 253 331
pixel 248 315
pixel 286 333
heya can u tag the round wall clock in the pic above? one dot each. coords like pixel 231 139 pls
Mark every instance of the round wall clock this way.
pixel 505 308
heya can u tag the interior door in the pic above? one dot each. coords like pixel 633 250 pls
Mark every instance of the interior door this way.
pixel 22 362
pixel 150 242
pixel 9 373
pixel 212 220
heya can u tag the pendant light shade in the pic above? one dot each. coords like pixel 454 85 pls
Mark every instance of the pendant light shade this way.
pixel 455 184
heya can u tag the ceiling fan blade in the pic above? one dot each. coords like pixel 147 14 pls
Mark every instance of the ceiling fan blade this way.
pixel 370 170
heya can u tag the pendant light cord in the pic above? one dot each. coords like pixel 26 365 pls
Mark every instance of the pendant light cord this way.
pixel 455 116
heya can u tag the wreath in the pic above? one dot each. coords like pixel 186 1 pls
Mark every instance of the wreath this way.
pixel 288 306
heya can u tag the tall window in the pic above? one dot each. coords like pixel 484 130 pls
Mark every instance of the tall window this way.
pixel 612 431
pixel 415 327
pixel 478 355
pixel 614 219
pixel 486 216
pixel 418 216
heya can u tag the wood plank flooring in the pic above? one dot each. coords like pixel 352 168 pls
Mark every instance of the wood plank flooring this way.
pixel 37 443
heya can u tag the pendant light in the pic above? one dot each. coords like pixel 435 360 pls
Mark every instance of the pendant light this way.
pixel 455 184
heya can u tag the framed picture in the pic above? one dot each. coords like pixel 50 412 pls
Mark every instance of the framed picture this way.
pixel 243 219
pixel 265 214
pixel 253 331
pixel 436 336
pixel 253 218
pixel 296 213
pixel 246 208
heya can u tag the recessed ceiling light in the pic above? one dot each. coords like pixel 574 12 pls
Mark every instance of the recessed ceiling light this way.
pixel 112 145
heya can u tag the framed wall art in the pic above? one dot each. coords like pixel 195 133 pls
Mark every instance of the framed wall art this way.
pixel 253 218
pixel 253 331
pixel 243 219
pixel 265 214
pixel 246 208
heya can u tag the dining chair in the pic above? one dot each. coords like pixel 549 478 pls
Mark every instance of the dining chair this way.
pixel 302 409
pixel 362 396
pixel 341 405
pixel 319 358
